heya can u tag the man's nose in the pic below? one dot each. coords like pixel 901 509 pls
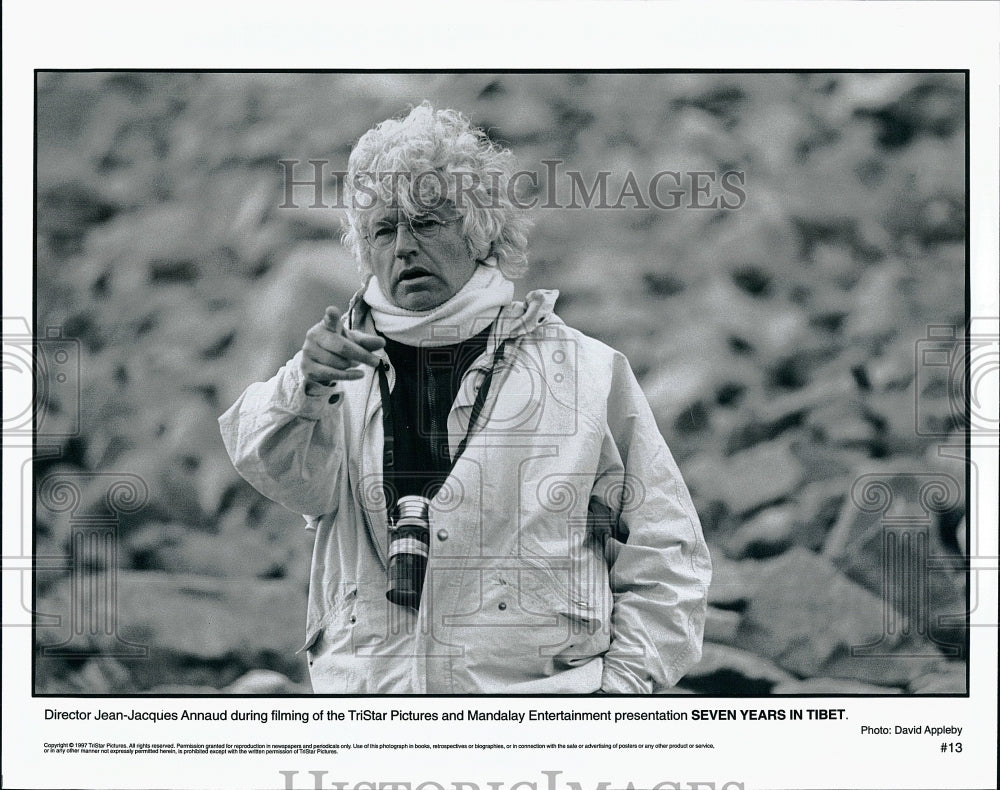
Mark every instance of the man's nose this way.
pixel 406 244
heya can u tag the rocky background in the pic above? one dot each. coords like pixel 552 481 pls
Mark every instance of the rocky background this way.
pixel 779 344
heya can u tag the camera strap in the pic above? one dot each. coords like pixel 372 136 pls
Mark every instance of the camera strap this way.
pixel 481 395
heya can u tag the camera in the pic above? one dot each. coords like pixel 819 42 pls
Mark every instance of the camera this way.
pixel 409 541
pixel 47 396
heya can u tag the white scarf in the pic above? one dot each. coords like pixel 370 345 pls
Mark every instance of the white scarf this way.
pixel 473 307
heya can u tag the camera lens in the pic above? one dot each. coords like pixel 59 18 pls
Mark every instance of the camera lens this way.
pixel 409 537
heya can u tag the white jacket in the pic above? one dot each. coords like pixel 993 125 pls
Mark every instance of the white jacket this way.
pixel 566 556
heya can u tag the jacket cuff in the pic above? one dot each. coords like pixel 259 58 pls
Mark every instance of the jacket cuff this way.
pixel 312 405
pixel 616 683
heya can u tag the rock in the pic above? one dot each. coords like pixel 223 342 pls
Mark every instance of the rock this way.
pixel 763 474
pixel 773 334
pixel 721 625
pixel 265 681
pixel 950 679
pixel 895 372
pixel 671 391
pixel 762 427
pixel 842 423
pixel 809 618
pixel 766 534
pixel 731 671
pixel 877 306
pixel 895 413
pixel 733 583
pixel 101 675
pixel 819 505
pixel 197 630
pixel 824 463
pixel 816 686
pixel 235 551
pixel 178 688
pixel 674 691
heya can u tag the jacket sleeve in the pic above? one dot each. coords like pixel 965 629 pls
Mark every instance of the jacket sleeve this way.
pixel 659 564
pixel 286 444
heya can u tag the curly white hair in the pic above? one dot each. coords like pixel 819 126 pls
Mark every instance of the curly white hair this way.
pixel 433 158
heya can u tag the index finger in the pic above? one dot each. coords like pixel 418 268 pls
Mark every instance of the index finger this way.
pixel 331 319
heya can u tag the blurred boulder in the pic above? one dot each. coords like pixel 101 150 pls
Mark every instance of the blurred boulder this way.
pixel 732 671
pixel 768 533
pixel 814 687
pixel 733 583
pixel 198 630
pixel 819 504
pixel 948 679
pixel 933 106
pixel 167 689
pixel 764 474
pixel 265 681
pixel 235 551
pixel 842 423
pixel 281 308
pixel 721 625
pixel 874 318
pixel 101 674
pixel 809 618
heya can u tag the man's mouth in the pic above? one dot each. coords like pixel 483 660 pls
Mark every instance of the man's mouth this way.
pixel 413 273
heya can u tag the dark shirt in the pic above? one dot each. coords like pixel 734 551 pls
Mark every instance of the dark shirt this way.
pixel 427 382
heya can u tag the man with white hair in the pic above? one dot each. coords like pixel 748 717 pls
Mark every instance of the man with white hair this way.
pixel 494 507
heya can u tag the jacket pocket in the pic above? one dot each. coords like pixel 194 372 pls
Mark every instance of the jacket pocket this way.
pixel 570 600
pixel 340 611
pixel 559 587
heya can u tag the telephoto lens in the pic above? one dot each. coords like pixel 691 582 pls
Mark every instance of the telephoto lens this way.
pixel 409 538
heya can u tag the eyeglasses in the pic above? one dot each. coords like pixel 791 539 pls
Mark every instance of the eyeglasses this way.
pixel 423 227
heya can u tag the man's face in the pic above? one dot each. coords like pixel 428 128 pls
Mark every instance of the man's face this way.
pixel 420 261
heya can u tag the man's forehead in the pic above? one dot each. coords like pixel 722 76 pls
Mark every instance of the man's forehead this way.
pixel 393 212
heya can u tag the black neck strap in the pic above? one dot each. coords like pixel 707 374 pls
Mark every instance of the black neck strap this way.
pixel 388 445
pixel 477 405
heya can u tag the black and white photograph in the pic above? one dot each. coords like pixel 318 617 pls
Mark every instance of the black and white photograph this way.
pixel 519 397
pixel 503 383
